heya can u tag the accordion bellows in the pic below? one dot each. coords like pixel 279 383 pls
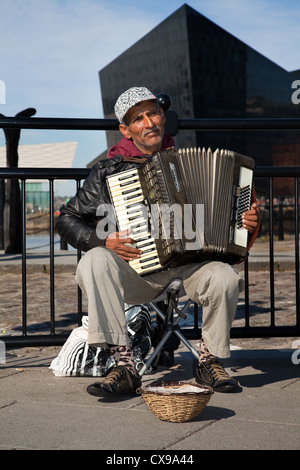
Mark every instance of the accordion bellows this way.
pixel 185 206
pixel 222 181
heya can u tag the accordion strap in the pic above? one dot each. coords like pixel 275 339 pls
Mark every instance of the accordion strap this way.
pixel 139 160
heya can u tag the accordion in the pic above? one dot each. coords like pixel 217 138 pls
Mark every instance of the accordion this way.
pixel 184 206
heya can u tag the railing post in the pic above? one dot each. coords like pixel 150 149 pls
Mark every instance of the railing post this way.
pixel 271 253
pixel 79 292
pixel 280 220
pixel 247 310
pixel 297 263
pixel 24 274
pixel 63 244
pixel 52 297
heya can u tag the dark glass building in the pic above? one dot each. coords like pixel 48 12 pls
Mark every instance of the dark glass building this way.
pixel 208 73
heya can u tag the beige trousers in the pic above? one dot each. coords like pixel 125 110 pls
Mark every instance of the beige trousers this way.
pixel 108 282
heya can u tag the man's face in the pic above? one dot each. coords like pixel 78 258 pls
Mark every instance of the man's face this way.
pixel 145 126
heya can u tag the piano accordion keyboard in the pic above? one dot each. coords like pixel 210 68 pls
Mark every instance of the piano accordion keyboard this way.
pixel 127 198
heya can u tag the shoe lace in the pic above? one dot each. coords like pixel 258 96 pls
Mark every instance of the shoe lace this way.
pixel 118 373
pixel 216 369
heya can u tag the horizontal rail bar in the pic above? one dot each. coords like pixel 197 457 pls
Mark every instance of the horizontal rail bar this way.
pixel 46 173
pixel 277 171
pixel 80 173
pixel 228 124
pixel 238 124
pixel 189 333
pixel 35 340
pixel 58 123
pixel 251 332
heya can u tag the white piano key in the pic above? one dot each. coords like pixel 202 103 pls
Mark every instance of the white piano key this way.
pixel 143 269
pixel 138 216
pixel 138 231
pixel 127 197
pixel 117 190
pixel 145 244
pixel 144 261
pixel 131 208
pixel 120 178
pixel 146 256
pixel 123 201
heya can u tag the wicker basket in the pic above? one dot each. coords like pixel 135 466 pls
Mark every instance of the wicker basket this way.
pixel 176 401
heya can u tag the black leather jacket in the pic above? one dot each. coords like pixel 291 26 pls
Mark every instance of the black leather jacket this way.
pixel 77 221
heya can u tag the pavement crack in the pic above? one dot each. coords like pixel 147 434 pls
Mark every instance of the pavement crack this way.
pixel 8 404
pixel 210 423
pixel 290 383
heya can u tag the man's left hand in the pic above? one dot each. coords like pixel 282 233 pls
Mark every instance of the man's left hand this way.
pixel 251 218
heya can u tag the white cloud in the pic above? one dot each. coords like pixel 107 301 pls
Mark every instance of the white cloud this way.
pixel 50 56
pixel 54 50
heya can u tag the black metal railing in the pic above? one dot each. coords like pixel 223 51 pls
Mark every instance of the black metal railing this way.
pixel 272 330
pixel 78 175
pixel 50 175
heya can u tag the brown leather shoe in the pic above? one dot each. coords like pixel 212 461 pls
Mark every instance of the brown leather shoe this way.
pixel 119 381
pixel 212 373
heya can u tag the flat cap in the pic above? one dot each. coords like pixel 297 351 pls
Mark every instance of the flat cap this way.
pixel 130 98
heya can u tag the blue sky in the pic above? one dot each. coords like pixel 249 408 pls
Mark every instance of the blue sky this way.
pixel 52 50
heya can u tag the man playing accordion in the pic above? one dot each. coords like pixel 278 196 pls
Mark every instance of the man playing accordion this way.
pixel 107 279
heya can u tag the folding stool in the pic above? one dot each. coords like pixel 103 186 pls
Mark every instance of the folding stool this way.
pixel 171 295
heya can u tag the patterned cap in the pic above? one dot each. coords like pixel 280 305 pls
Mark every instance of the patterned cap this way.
pixel 129 98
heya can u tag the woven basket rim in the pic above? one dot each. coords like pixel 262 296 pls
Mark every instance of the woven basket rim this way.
pixel 207 389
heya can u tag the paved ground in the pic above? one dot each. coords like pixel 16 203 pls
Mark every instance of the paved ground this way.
pixel 41 411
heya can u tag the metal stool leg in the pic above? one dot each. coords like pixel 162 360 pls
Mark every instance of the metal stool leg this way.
pixel 172 327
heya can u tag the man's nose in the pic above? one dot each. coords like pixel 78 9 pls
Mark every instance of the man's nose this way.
pixel 148 121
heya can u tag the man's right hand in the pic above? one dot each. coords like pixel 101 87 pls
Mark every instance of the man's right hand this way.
pixel 116 242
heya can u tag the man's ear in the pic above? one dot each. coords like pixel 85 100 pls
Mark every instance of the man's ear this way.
pixel 124 130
